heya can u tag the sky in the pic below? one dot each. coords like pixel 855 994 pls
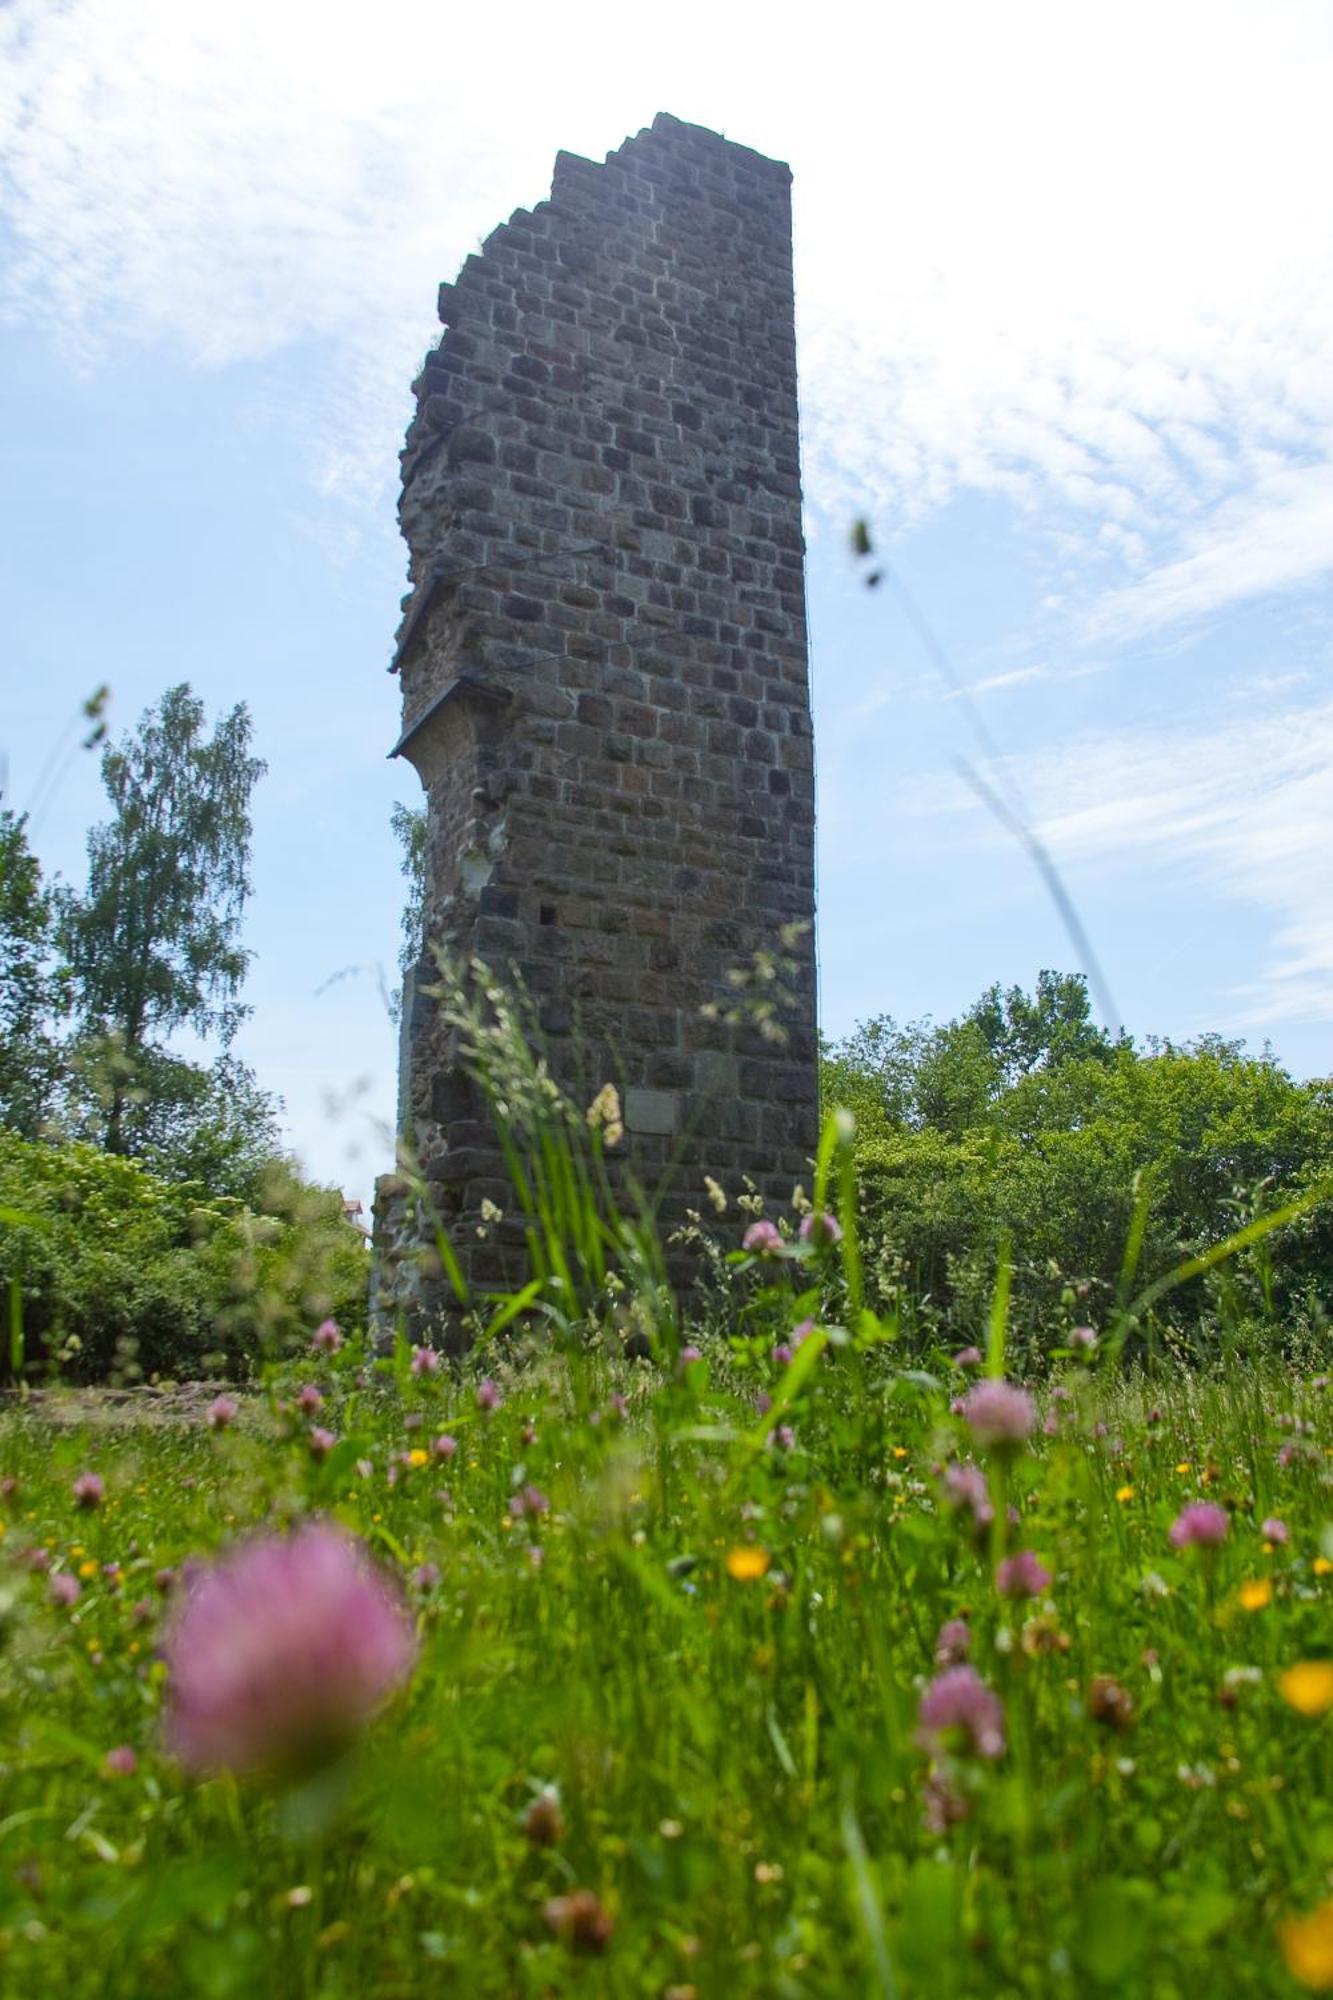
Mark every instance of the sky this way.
pixel 1065 309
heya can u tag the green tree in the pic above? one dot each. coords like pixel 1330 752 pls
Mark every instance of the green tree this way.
pixel 213 1125
pixel 409 826
pixel 32 994
pixel 1024 1124
pixel 1039 1031
pixel 154 942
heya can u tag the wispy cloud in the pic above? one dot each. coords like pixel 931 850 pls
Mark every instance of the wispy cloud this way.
pixel 1238 810
pixel 995 683
pixel 1076 257
pixel 1278 534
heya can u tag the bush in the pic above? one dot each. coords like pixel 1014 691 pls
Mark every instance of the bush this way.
pixel 1064 1152
pixel 114 1270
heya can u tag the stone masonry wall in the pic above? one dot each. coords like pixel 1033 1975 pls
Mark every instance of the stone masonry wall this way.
pixel 603 662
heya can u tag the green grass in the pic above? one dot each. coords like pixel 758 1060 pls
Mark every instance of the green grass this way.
pixel 736 1762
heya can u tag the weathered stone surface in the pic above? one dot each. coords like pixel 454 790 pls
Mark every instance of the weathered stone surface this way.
pixel 652 1111
pixel 603 661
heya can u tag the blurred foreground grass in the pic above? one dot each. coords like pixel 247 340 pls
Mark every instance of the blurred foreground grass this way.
pixel 662 1736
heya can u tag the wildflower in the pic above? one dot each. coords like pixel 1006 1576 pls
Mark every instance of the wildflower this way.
pixel 999 1414
pixel 1274 1530
pixel 783 1354
pixel 1083 1340
pixel 65 1590
pixel 958 1710
pixel 1307 1947
pixel 543 1822
pixel 327 1338
pixel 88 1490
pixel 425 1361
pixel 309 1400
pixel 120 1762
pixel 967 1357
pixel 1256 1594
pixel 748 1564
pixel 221 1412
pixel 1200 1525
pixel 1322 1566
pixel 1308 1687
pixel 942 1804
pixel 579 1921
pixel 762 1238
pixel 321 1442
pixel 782 1439
pixel 716 1195
pixel 1022 1575
pixel 425 1576
pixel 444 1445
pixel 1109 1703
pixel 488 1395
pixel 952 1641
pixel 604 1115
pixel 529 1503
pixel 1042 1635
pixel 688 1355
pixel 1124 1494
pixel 821 1230
pixel 965 1485
pixel 281 1652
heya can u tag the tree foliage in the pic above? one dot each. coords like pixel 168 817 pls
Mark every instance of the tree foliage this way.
pixel 120 1271
pixel 32 993
pixel 409 827
pixel 153 944
pixel 1023 1124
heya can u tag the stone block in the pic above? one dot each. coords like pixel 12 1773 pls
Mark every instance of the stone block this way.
pixel 652 1111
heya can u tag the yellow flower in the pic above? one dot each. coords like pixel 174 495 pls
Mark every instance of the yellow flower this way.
pixel 1307 1946
pixel 901 1451
pixel 88 1568
pixel 1308 1686
pixel 1322 1566
pixel 1184 1465
pixel 1124 1493
pixel 747 1565
pixel 1256 1594
pixel 418 1458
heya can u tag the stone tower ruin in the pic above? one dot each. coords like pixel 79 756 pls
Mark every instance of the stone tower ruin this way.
pixel 604 673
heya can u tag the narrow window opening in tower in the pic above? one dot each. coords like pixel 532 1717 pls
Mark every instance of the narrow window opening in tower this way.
pixel 546 914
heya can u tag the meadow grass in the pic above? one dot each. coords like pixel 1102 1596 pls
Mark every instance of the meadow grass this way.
pixel 663 1736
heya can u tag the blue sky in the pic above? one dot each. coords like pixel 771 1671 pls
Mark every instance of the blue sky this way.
pixel 1065 283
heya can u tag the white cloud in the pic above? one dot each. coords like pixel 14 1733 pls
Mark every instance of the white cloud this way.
pixel 1239 808
pixel 994 683
pixel 1278 534
pixel 1077 257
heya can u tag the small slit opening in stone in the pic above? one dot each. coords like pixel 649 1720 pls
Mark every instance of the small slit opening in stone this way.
pixel 546 913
